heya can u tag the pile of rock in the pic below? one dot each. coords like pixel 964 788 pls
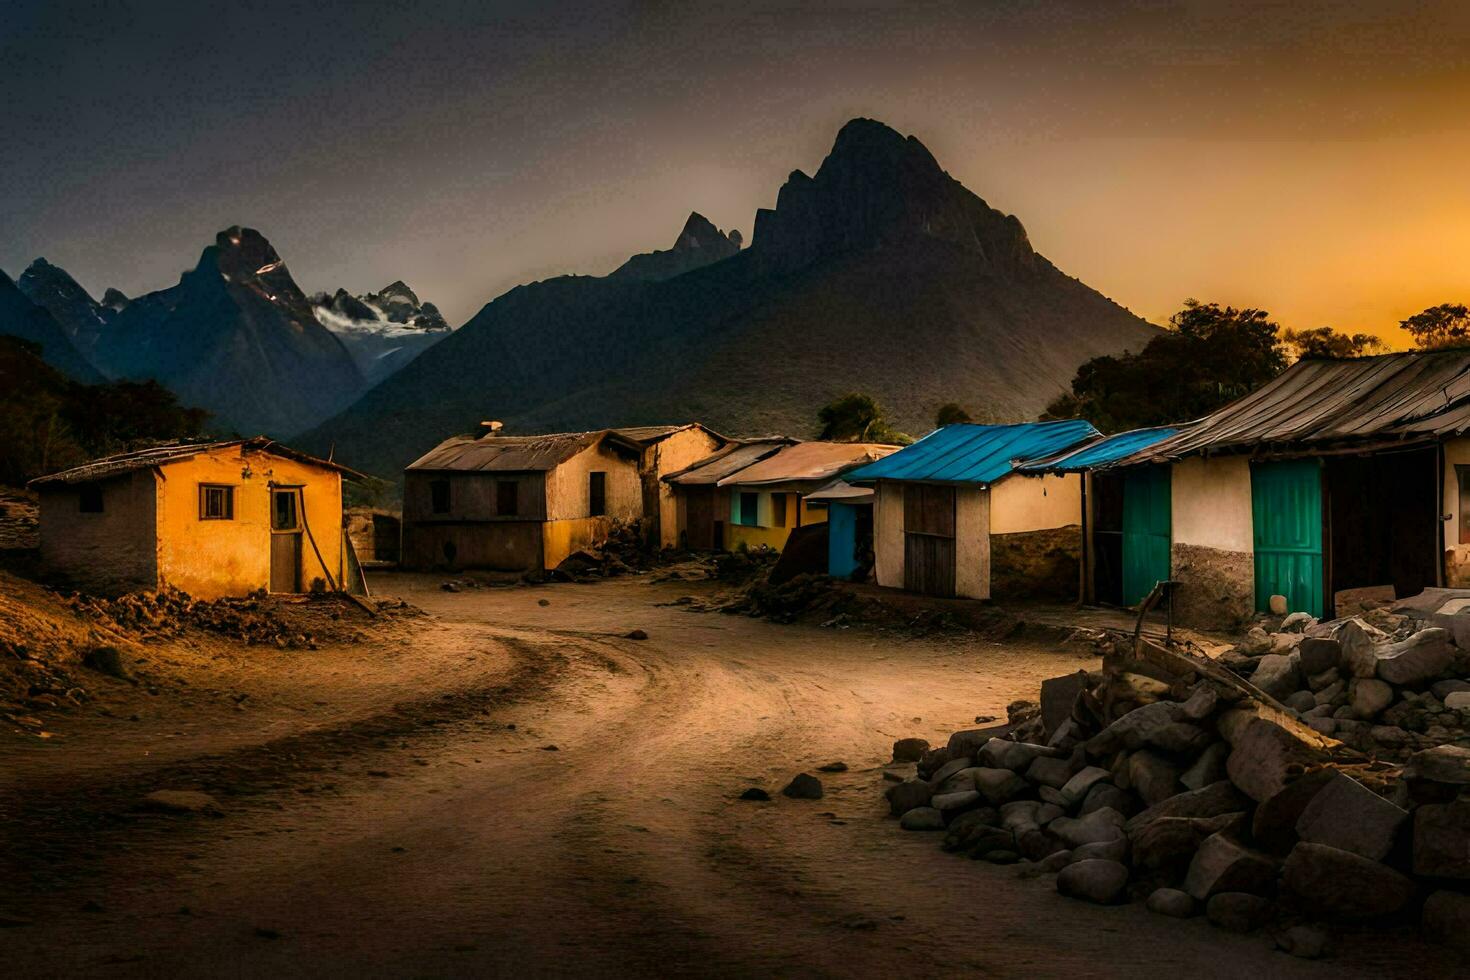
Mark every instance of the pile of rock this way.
pixel 1166 778
pixel 623 552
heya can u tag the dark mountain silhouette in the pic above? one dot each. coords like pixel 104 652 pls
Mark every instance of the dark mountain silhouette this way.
pixel 881 274
pixel 19 317
pixel 382 331
pixel 698 244
pixel 238 338
pixel 53 288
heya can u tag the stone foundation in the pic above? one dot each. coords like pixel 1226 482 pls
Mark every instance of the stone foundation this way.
pixel 1216 588
pixel 1036 564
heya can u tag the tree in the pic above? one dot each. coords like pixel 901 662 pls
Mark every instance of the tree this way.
pixel 1445 325
pixel 1326 342
pixel 856 417
pixel 951 413
pixel 1208 356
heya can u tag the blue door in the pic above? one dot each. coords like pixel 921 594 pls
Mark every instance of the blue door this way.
pixel 841 540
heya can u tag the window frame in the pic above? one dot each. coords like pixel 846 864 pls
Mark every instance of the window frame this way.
pixel 88 493
pixel 228 489
pixel 752 497
pixel 297 503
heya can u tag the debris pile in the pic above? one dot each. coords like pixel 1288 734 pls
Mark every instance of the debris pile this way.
pixel 623 552
pixel 1168 779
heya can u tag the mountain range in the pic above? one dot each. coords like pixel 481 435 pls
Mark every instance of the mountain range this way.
pixel 382 331
pixel 880 273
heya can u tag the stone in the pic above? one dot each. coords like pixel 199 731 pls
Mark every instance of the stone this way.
pixel 1055 861
pixel 1103 882
pixel 1210 801
pixel 1100 825
pixel 1457 700
pixel 1302 701
pixel 1418 660
pixel 1152 776
pixel 180 801
pixel 955 783
pixel 833 767
pixel 1334 689
pixel 904 796
pixel 1132 730
pixel 1349 815
pixel 932 761
pixel 1035 844
pixel 999 785
pixel 1273 825
pixel 803 786
pixel 1445 764
pixel 909 749
pixel 925 818
pixel 1305 942
pixel 1319 654
pixel 1001 753
pixel 1180 738
pixel 1359 642
pixel 1256 642
pixel 1020 815
pixel 1266 755
pixel 636 635
pixel 1223 864
pixel 1278 605
pixel 1208 768
pixel 1050 772
pixel 999 857
pixel 106 660
pixel 1106 850
pixel 1297 622
pixel 1076 788
pixel 1277 675
pixel 1106 795
pixel 968 827
pixel 950 768
pixel 1369 697
pixel 954 802
pixel 1238 911
pixel 1171 902
pixel 1202 702
pixel 1168 845
pixel 1058 695
pixel 1442 840
pixel 1446 919
pixel 1335 882
pixel 756 794
pixel 1054 797
pixel 1443 689
pixel 1048 812
pixel 970 741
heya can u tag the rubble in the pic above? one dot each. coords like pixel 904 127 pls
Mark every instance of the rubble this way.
pixel 1300 782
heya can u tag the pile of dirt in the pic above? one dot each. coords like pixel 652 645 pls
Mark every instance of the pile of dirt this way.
pixel 623 552
pixel 1167 778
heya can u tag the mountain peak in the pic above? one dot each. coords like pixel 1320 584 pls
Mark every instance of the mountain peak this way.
pixel 700 232
pixel 699 243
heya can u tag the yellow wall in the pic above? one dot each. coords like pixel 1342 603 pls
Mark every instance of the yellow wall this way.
pixel 213 558
pixel 762 532
pixel 1031 503
pixel 568 496
pixel 670 455
pixel 560 538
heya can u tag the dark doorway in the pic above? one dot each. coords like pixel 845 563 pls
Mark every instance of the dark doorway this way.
pixel 1383 517
pixel 1107 538
pixel 699 518
pixel 597 494
pixel 928 539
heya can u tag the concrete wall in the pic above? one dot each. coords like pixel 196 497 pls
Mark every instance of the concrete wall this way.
pixel 1456 555
pixel 888 534
pixel 567 486
pixel 1035 503
pixel 764 532
pixel 974 511
pixel 213 558
pixel 1213 553
pixel 669 455
pixel 107 553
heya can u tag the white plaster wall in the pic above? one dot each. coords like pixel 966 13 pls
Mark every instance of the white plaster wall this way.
pixel 973 514
pixel 1031 503
pixel 1212 503
pixel 888 534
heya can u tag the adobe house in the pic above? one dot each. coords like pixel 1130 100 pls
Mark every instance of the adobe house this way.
pixel 517 503
pixel 1337 475
pixel 213 519
pixel 953 516
pixel 667 449
pixel 701 506
pixel 768 498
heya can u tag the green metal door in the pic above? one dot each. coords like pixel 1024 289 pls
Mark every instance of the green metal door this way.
pixel 1147 521
pixel 1286 511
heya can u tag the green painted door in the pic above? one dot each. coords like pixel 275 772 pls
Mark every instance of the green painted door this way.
pixel 1286 511
pixel 1147 522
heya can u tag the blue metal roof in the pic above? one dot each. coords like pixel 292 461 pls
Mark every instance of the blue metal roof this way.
pixel 974 453
pixel 1103 452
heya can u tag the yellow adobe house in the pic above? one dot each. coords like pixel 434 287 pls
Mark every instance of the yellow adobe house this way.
pixel 212 519
pixel 768 498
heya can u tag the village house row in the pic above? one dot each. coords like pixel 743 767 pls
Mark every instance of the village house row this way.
pixel 1339 475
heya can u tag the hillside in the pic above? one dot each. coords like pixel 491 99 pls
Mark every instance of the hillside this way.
pixel 881 273
pixel 23 319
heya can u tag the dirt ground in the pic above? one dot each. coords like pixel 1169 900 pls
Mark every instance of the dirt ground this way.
pixel 510 786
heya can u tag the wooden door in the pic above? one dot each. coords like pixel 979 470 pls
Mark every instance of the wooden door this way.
pixel 1286 508
pixel 700 518
pixel 928 539
pixel 1147 530
pixel 285 540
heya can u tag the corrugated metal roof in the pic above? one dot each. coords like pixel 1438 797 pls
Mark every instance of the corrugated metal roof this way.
pixel 726 460
pixel 1314 404
pixel 1102 452
pixel 513 454
pixel 967 453
pixel 174 452
pixel 807 461
pixel 653 433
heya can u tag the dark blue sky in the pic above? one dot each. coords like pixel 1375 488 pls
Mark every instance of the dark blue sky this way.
pixel 1303 156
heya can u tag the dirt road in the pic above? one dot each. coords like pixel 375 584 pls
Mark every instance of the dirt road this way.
pixel 408 816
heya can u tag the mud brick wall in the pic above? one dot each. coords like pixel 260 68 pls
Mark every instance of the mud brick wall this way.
pixel 107 553
pixel 1216 587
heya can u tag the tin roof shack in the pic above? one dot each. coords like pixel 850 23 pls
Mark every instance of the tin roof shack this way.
pixel 517 503
pixel 953 517
pixel 768 497
pixel 1337 475
pixel 667 449
pixel 849 528
pixel 700 504
pixel 213 519
pixel 1125 515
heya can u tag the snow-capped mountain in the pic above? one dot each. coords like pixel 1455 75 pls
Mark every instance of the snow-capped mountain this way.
pixel 382 331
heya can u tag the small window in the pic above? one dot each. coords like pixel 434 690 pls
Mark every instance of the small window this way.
pixel 439 496
pixel 778 510
pixel 507 498
pixel 597 494
pixel 283 510
pixel 749 508
pixel 89 498
pixel 216 503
